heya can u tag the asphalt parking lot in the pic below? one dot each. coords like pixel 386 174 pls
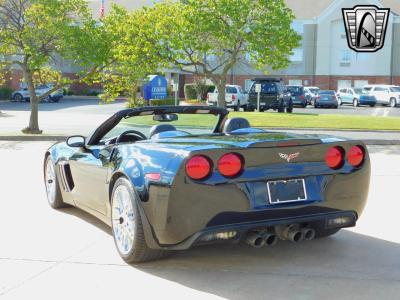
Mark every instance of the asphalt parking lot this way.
pixel 68 254
pixel 90 106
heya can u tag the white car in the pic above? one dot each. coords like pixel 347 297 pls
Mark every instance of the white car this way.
pixel 235 97
pixel 384 94
pixel 22 95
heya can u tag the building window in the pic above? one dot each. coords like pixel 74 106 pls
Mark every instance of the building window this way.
pixel 295 82
pixel 297 55
pixel 343 83
pixel 298 27
pixel 247 84
pixel 345 55
pixel 360 83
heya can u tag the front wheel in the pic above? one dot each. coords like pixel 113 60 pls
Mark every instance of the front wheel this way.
pixel 18 98
pixel 127 228
pixel 53 191
pixel 355 102
pixel 393 102
pixel 339 101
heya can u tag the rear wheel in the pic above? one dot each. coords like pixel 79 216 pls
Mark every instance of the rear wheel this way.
pixel 339 101
pixel 53 191
pixel 355 102
pixel 127 225
pixel 289 109
pixel 393 102
pixel 372 105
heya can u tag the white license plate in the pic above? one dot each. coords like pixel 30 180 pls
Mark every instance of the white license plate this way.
pixel 283 191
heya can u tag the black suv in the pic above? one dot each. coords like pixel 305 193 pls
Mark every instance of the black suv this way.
pixel 273 96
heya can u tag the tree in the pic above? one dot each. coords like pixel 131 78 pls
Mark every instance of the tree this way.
pixel 209 37
pixel 35 35
pixel 133 57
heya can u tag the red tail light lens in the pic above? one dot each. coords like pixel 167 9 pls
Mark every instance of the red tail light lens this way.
pixel 355 156
pixel 230 165
pixel 334 157
pixel 198 167
pixel 233 97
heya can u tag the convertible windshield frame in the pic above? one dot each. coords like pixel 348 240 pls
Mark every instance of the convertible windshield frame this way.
pixel 115 119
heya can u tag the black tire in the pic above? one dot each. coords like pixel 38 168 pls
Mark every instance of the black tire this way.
pixel 289 109
pixel 261 109
pixel 18 97
pixel 323 233
pixel 140 252
pixel 393 102
pixel 237 107
pixel 54 199
pixel 356 103
pixel 372 105
pixel 335 106
pixel 316 106
pixel 281 108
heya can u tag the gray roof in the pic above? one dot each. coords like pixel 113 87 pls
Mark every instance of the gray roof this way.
pixel 308 9
pixel 302 9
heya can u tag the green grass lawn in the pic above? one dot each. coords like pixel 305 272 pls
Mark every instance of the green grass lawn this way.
pixel 285 120
pixel 319 121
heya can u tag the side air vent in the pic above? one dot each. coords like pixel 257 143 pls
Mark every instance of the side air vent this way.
pixel 66 177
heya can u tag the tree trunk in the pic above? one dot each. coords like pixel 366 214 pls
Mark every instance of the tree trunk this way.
pixel 33 127
pixel 220 83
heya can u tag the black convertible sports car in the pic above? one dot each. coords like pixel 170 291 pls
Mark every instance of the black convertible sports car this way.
pixel 168 178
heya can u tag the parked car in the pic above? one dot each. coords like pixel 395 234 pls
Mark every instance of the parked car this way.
pixel 273 95
pixel 170 187
pixel 23 95
pixel 298 95
pixel 235 97
pixel 385 94
pixel 355 96
pixel 311 93
pixel 326 98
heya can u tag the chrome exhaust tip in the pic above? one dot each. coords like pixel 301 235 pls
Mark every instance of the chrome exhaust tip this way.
pixel 308 233
pixel 255 240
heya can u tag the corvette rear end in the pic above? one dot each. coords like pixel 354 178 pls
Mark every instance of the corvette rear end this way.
pixel 257 188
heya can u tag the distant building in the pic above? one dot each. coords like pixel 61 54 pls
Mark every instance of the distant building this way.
pixel 324 58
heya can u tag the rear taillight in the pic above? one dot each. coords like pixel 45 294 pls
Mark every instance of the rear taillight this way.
pixel 355 156
pixel 230 165
pixel 198 167
pixel 302 97
pixel 334 97
pixel 233 97
pixel 334 157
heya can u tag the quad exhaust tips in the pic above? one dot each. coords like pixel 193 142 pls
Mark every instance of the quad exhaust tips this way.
pixel 295 233
pixel 258 240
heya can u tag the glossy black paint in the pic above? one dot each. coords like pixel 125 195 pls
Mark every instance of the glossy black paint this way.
pixel 176 210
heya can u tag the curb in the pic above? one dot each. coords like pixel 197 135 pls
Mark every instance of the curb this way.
pixel 33 138
pixel 62 138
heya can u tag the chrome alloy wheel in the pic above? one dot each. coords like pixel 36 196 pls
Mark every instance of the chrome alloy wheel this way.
pixel 123 219
pixel 50 181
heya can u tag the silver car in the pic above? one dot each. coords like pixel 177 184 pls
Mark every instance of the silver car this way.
pixel 23 95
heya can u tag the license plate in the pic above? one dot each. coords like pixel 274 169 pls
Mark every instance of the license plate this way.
pixel 283 191
pixel 262 103
pixel 325 98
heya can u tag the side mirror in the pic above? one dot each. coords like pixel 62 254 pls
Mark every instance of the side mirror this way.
pixel 76 141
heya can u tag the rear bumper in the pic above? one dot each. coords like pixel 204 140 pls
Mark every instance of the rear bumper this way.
pixel 236 232
pixel 177 217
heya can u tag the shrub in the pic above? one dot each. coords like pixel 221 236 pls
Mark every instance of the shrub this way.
pixel 190 92
pixel 161 102
pixel 5 93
